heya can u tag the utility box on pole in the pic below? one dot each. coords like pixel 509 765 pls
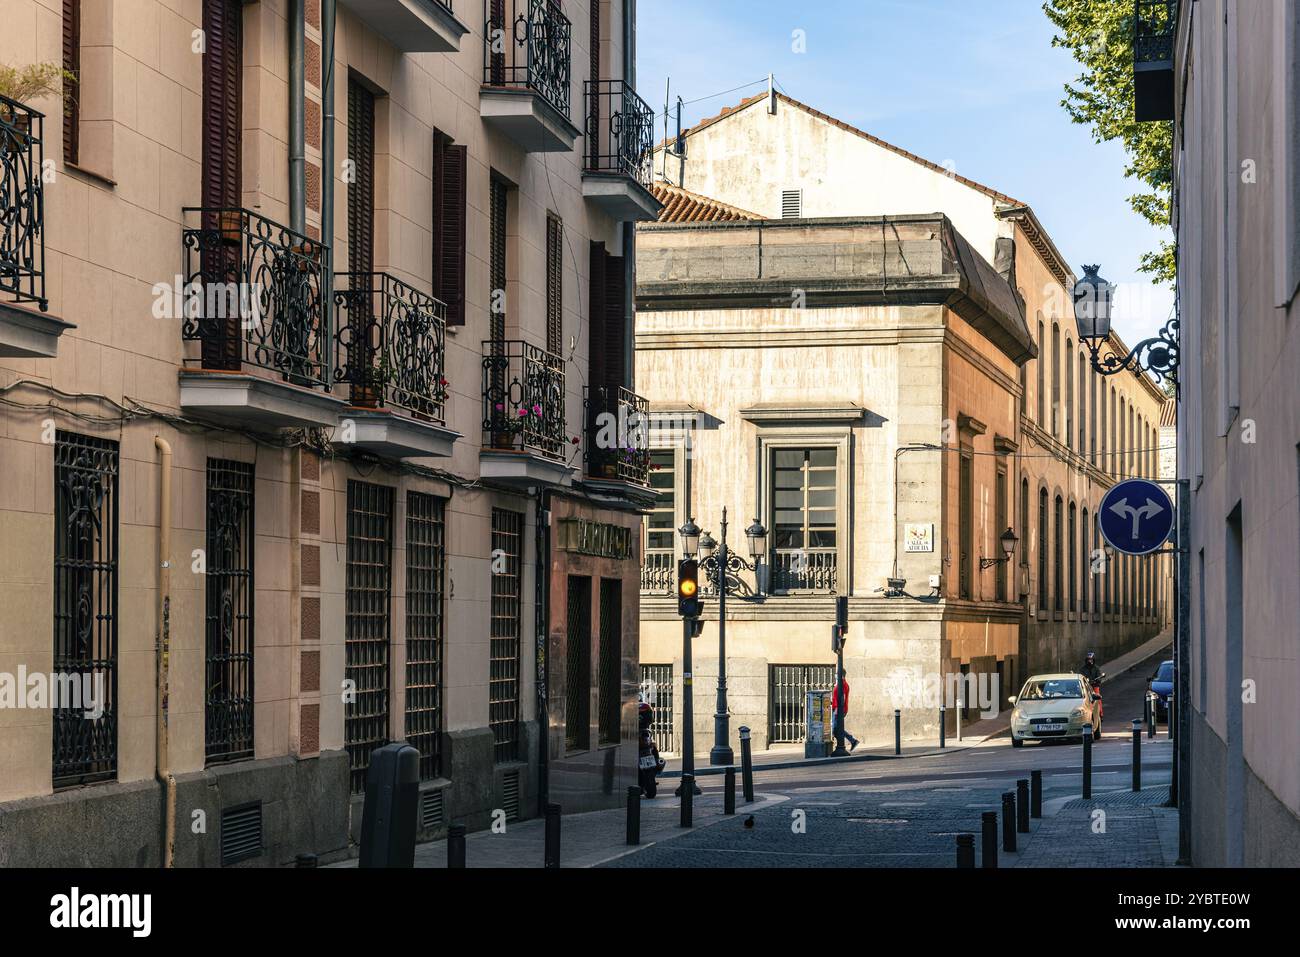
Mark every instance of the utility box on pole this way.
pixel 817 740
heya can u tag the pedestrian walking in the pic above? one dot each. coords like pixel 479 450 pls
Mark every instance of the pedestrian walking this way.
pixel 840 708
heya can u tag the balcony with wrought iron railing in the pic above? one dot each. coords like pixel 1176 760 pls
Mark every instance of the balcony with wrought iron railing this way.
pixel 803 571
pixel 525 434
pixel 390 353
pixel 413 26
pixel 27 330
pixel 527 74
pixel 618 430
pixel 619 143
pixel 252 315
pixel 659 572
pixel 1154 24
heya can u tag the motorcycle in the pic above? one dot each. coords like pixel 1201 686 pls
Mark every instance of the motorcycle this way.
pixel 649 764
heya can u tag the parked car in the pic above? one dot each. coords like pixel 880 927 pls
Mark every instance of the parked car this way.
pixel 1162 683
pixel 1054 707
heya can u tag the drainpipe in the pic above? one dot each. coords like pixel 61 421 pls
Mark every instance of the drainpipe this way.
pixel 327 27
pixel 163 645
pixel 629 229
pixel 297 125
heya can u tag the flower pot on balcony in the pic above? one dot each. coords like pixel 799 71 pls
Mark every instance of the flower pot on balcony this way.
pixel 20 129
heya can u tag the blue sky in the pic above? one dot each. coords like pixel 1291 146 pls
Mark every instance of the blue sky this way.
pixel 974 82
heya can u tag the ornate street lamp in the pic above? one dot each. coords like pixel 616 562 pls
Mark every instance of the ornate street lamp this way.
pixel 690 533
pixel 1092 304
pixel 1008 541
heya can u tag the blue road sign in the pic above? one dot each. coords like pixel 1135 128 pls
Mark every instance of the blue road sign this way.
pixel 1136 516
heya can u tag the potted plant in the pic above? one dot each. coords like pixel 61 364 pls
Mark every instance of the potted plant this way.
pixel 22 85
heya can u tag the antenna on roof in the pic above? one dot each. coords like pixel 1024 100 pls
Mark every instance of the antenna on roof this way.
pixel 681 147
pixel 668 85
pixel 771 95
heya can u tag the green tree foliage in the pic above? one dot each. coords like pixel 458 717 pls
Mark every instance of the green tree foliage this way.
pixel 1099 34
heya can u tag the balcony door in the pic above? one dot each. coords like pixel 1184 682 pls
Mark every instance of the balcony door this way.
pixel 222 147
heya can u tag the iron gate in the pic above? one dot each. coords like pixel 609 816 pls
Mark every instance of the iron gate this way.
pixel 367 626
pixel 787 689
pixel 426 562
pixel 229 612
pixel 577 686
pixel 503 674
pixel 610 705
pixel 657 689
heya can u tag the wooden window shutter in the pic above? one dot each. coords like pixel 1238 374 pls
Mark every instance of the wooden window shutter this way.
pixel 497 21
pixel 72 88
pixel 497 203
pixel 361 191
pixel 222 123
pixel 615 332
pixel 449 240
pixel 593 101
pixel 596 313
pixel 554 285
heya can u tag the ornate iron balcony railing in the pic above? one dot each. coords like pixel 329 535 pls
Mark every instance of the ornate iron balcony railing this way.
pixel 618 424
pixel 620 130
pixel 22 203
pixel 527 43
pixel 390 344
pixel 659 573
pixel 1153 35
pixel 804 570
pixel 523 399
pixel 252 296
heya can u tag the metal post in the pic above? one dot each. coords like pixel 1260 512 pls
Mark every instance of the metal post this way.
pixel 688 798
pixel 989 835
pixel 688 708
pixel 729 791
pixel 746 765
pixel 898 731
pixel 1151 716
pixel 1035 793
pixel 1009 822
pixel 960 707
pixel 634 814
pixel 1022 806
pixel 1137 755
pixel 1087 761
pixel 943 727
pixel 456 846
pixel 721 753
pixel 966 851
pixel 552 857
pixel 1169 717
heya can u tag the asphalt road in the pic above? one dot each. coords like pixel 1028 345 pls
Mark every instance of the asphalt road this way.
pixel 905 813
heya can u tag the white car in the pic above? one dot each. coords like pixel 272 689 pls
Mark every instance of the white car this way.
pixel 1054 706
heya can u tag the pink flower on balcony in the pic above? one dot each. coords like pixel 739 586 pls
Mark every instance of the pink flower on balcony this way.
pixel 523 412
pixel 537 410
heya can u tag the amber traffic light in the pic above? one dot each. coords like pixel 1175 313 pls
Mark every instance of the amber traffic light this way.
pixel 688 588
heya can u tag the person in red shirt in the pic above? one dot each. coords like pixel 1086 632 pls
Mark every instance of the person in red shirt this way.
pixel 840 708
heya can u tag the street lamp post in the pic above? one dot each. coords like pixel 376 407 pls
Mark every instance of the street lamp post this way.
pixel 718 566
pixel 1092 304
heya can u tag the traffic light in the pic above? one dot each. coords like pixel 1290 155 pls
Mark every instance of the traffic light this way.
pixel 688 588
pixel 841 626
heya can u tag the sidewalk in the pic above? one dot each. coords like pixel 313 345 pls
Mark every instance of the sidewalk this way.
pixel 585 839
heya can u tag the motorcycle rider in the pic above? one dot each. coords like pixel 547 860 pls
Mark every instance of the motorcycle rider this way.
pixel 1090 670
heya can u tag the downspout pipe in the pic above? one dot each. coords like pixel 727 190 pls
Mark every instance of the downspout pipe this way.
pixel 629 228
pixel 162 759
pixel 297 122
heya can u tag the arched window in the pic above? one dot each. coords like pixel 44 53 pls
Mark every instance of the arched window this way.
pixel 1083 405
pixel 1041 363
pixel 1084 565
pixel 1056 381
pixel 1067 417
pixel 1074 568
pixel 1042 550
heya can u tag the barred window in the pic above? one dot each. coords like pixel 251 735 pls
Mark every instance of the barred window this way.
pixel 426 567
pixel 503 673
pixel 228 727
pixel 577 686
pixel 367 626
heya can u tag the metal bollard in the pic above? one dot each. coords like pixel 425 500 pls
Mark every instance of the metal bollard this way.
pixel 688 798
pixel 552 853
pixel 634 814
pixel 989 834
pixel 746 766
pixel 1137 755
pixel 898 731
pixel 1009 822
pixel 1022 806
pixel 966 851
pixel 1151 716
pixel 729 791
pixel 456 846
pixel 1087 761
pixel 1035 793
pixel 943 727
pixel 1169 717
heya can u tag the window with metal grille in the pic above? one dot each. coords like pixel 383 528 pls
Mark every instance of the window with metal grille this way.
pixel 367 625
pixel 1042 550
pixel 791 203
pixel 554 284
pixel 610 705
pixel 503 677
pixel 657 691
pixel 577 685
pixel 657 573
pixel 85 606
pixel 228 707
pixel 787 690
pixel 426 564
pixel 450 170
pixel 804 520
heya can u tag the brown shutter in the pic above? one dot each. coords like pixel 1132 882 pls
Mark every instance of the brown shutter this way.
pixel 450 267
pixel 72 88
pixel 554 285
pixel 615 333
pixel 222 66
pixel 596 314
pixel 593 102
pixel 497 256
pixel 497 21
pixel 361 191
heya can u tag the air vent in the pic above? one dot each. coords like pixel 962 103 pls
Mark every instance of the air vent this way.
pixel 510 795
pixel 791 203
pixel 241 833
pixel 431 810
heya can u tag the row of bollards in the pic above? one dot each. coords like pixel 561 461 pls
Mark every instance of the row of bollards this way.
pixel 1018 806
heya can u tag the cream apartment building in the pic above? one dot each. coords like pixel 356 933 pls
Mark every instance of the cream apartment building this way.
pixel 309 314
pixel 943 432
pixel 1228 75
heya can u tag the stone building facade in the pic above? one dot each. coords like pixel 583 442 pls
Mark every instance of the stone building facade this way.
pixel 345 285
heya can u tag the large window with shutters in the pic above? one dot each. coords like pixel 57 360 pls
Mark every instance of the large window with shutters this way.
pixel 361 189
pixel 554 284
pixel 804 520
pixel 228 705
pixel 367 625
pixel 503 668
pixel 426 567
pixel 450 166
pixel 498 200
pixel 609 347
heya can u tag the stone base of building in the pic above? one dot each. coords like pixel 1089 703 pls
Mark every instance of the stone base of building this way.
pixel 1270 831
pixel 302 803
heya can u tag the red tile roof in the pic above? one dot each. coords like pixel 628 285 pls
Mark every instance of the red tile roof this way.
pixel 683 206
